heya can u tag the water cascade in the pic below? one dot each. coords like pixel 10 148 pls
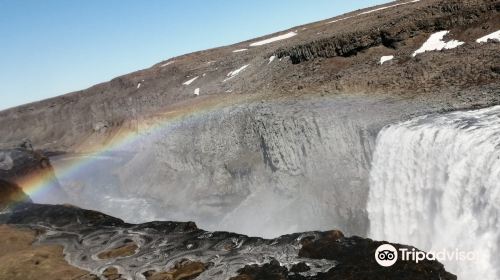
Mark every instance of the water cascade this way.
pixel 435 184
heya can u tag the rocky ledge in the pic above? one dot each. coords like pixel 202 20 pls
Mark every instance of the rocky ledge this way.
pixel 104 247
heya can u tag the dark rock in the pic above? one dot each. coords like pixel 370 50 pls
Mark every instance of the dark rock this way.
pixel 355 257
pixel 29 167
pixel 11 194
pixel 300 267
pixel 269 271
pixel 57 215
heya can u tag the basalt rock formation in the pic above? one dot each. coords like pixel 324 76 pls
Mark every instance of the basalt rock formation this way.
pixel 396 32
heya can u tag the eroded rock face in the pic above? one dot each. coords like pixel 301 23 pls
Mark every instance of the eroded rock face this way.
pixel 393 34
pixel 263 169
pixel 11 194
pixel 237 168
pixel 174 250
pixel 31 170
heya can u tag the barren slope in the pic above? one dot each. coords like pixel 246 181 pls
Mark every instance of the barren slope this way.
pixel 339 55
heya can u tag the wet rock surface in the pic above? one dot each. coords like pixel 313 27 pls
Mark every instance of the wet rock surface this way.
pixel 355 257
pixel 175 250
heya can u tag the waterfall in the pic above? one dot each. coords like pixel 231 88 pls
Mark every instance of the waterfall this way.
pixel 435 184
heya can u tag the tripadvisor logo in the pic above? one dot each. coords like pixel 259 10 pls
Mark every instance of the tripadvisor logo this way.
pixel 387 255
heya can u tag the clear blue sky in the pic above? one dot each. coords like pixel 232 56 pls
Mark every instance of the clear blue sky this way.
pixel 52 47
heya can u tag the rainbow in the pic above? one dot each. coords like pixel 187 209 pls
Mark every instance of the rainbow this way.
pixel 38 186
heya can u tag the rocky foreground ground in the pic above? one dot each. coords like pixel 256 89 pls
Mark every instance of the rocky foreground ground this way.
pixel 103 247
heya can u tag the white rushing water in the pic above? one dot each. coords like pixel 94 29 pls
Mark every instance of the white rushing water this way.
pixel 435 184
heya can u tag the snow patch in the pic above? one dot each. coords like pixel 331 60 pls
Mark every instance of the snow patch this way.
pixel 386 58
pixel 274 39
pixel 197 91
pixel 374 10
pixel 387 7
pixel 167 64
pixel 340 19
pixel 233 73
pixel 272 58
pixel 187 83
pixel 493 36
pixel 436 43
pixel 240 50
